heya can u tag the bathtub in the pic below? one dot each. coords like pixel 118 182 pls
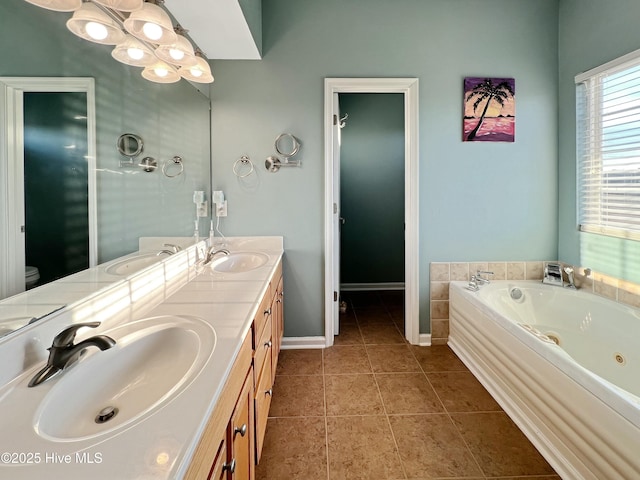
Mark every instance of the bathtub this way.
pixel 565 366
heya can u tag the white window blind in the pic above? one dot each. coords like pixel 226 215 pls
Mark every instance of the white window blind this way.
pixel 608 148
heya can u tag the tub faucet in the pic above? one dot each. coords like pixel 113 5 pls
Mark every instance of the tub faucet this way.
pixel 64 353
pixel 478 278
pixel 570 278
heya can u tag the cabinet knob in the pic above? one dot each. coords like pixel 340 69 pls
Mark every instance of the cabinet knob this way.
pixel 229 467
pixel 278 301
pixel 269 392
pixel 268 344
pixel 267 311
pixel 240 430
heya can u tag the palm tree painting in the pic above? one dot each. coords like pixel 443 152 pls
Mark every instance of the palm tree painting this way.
pixel 489 109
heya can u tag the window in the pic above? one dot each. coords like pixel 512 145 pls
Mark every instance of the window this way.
pixel 608 148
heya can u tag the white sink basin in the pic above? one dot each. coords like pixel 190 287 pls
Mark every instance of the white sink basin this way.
pixel 239 262
pixel 129 265
pixel 153 361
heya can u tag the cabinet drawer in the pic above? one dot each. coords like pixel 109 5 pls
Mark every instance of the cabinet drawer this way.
pixel 262 353
pixel 264 392
pixel 263 313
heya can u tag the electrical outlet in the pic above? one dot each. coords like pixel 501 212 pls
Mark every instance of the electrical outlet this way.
pixel 203 210
pixel 221 209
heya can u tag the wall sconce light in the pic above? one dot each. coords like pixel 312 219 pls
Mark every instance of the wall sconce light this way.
pixel 179 53
pixel 122 5
pixel 161 72
pixel 92 24
pixel 143 34
pixel 199 73
pixel 152 24
pixel 58 5
pixel 132 51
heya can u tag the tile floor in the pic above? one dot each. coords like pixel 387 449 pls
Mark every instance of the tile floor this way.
pixel 375 407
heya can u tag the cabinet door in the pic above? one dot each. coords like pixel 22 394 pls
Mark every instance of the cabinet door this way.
pixel 241 434
pixel 220 468
pixel 263 402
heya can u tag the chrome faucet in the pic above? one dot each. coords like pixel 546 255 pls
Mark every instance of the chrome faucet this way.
pixel 174 249
pixel 212 252
pixel 478 279
pixel 570 278
pixel 64 353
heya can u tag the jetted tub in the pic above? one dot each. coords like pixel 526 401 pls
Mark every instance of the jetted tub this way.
pixel 564 364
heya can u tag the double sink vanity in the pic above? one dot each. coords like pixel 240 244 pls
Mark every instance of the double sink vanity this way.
pixel 175 380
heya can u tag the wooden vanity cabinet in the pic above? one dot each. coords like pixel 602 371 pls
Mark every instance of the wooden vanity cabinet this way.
pixel 234 434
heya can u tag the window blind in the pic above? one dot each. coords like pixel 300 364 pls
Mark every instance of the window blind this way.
pixel 608 148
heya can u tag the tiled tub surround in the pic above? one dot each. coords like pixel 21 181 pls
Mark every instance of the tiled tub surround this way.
pixel 159 446
pixel 559 395
pixel 441 273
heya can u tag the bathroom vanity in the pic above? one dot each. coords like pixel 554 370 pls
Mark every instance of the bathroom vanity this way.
pixel 190 377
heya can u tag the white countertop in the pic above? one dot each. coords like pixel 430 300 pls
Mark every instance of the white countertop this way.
pixel 160 445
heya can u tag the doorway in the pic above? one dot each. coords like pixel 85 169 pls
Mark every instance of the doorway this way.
pixel 47 196
pixel 408 87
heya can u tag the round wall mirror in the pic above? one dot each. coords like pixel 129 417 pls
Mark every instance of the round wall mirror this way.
pixel 287 145
pixel 130 145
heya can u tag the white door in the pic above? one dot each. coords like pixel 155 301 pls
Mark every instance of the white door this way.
pixel 336 214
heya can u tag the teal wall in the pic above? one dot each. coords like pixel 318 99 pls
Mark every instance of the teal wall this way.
pixel 592 32
pixel 172 120
pixel 491 201
pixel 372 188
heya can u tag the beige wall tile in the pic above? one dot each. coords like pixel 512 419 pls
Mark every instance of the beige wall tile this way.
pixel 629 298
pixel 438 341
pixel 440 309
pixel 439 291
pixel 475 266
pixel 515 271
pixel 439 328
pixel 459 271
pixel 534 270
pixel 439 272
pixel 605 290
pixel 499 270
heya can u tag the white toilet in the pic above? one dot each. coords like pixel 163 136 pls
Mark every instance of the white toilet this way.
pixel 31 277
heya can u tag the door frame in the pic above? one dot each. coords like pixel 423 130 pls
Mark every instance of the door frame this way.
pixel 12 268
pixel 408 87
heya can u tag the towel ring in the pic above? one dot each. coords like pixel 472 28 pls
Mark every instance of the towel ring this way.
pixel 239 163
pixel 177 160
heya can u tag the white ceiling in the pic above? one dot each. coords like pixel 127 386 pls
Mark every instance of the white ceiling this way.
pixel 218 27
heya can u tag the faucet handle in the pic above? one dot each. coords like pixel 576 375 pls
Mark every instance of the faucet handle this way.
pixel 68 335
pixel 174 247
pixel 484 272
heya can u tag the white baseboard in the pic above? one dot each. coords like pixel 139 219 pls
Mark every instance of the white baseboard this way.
pixel 356 287
pixel 424 340
pixel 302 342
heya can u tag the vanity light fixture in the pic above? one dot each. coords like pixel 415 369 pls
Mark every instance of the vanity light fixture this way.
pixel 58 5
pixel 199 73
pixel 132 51
pixel 179 53
pixel 161 72
pixel 122 5
pixel 151 24
pixel 143 34
pixel 91 23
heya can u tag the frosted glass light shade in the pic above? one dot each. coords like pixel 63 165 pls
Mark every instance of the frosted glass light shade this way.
pixel 92 24
pixel 122 5
pixel 58 5
pixel 179 53
pixel 133 52
pixel 199 73
pixel 161 72
pixel 151 24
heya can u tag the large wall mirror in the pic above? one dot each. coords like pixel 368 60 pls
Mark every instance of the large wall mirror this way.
pixel 91 101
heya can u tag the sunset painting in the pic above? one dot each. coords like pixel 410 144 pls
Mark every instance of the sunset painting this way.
pixel 489 109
